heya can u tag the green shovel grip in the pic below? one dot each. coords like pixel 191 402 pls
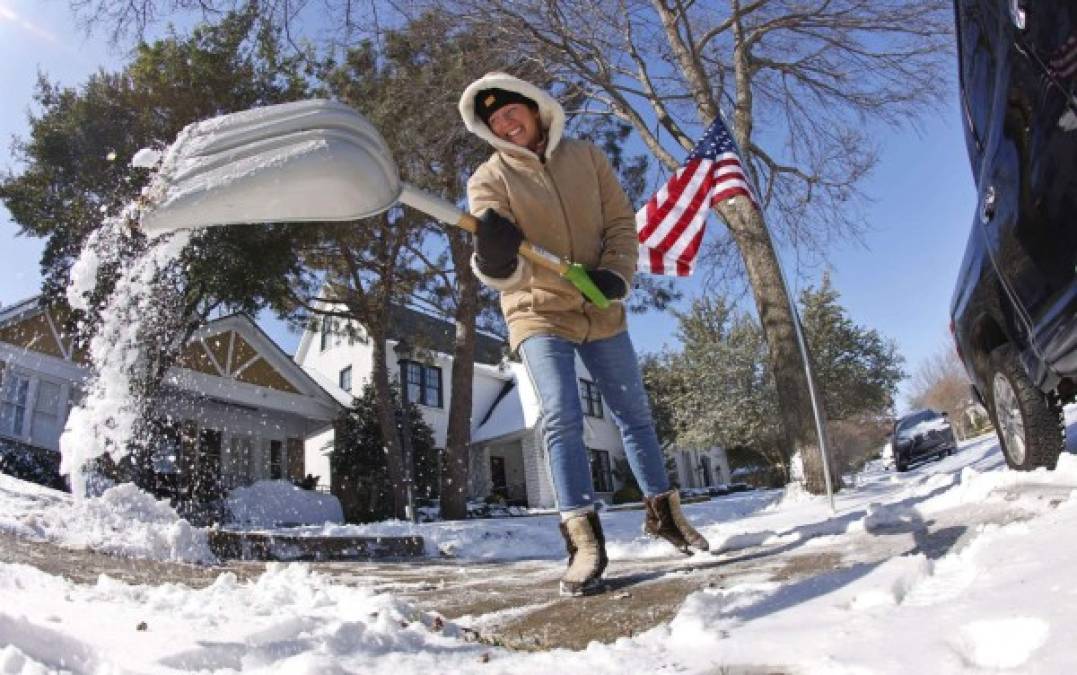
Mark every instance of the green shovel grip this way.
pixel 582 280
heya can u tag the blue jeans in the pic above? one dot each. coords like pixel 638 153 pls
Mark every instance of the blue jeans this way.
pixel 551 363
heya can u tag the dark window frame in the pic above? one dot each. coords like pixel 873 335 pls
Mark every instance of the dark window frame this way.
pixel 345 373
pixel 601 472
pixel 276 459
pixel 323 339
pixel 424 390
pixel 23 410
pixel 591 398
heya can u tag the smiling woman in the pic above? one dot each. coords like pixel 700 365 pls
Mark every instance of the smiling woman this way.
pixel 518 123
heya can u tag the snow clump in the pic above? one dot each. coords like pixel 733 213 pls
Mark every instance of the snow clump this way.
pixel 124 521
pixel 269 503
pixel 146 158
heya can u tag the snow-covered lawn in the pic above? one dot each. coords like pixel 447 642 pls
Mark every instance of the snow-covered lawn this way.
pixel 1002 599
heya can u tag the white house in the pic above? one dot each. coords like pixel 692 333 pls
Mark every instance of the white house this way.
pixel 241 409
pixel 701 468
pixel 507 453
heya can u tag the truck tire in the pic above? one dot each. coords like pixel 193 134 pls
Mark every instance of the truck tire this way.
pixel 1027 421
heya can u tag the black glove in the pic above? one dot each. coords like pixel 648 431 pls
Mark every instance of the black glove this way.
pixel 496 242
pixel 610 283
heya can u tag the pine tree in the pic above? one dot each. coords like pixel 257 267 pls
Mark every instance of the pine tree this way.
pixel 360 475
pixel 857 369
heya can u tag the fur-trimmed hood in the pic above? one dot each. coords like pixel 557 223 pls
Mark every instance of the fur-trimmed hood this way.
pixel 550 112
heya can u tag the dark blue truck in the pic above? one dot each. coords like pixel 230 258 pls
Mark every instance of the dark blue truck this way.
pixel 1014 308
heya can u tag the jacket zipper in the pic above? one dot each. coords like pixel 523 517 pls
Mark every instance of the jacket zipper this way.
pixel 568 233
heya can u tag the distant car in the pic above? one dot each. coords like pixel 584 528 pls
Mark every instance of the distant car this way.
pixel 1014 308
pixel 920 435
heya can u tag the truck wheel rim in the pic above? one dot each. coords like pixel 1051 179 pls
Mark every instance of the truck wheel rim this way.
pixel 1010 420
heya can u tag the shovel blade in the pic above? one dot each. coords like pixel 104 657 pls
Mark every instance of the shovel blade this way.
pixel 295 162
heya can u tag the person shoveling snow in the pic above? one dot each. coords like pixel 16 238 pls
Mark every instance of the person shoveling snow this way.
pixel 535 180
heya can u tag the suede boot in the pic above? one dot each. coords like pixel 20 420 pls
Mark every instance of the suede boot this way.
pixel 586 546
pixel 664 518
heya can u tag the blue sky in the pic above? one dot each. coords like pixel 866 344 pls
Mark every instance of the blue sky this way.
pixel 899 281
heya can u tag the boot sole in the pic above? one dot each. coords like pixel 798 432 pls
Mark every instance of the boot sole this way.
pixel 684 550
pixel 593 587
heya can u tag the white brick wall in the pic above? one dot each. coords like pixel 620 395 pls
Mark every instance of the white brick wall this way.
pixel 536 472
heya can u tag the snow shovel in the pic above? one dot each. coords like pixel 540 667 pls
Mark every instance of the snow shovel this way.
pixel 309 161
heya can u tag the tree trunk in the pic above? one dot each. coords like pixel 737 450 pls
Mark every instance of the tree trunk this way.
pixel 776 316
pixel 387 420
pixel 456 460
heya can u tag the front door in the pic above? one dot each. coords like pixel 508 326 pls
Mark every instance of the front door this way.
pixel 207 474
pixel 498 480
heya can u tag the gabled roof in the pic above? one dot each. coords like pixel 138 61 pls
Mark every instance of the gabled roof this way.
pixel 30 325
pixel 425 331
pixel 272 367
pixel 20 309
pixel 439 335
pixel 233 348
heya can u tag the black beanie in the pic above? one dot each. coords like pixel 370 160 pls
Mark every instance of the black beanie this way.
pixel 488 101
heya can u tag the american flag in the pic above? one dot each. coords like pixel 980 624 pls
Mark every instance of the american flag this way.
pixel 1063 62
pixel 671 225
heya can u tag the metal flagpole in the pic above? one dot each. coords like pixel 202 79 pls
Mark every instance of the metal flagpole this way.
pixel 813 393
pixel 718 148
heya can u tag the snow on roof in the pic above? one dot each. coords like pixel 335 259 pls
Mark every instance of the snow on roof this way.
pixel 21 307
pixel 506 417
pixel 342 397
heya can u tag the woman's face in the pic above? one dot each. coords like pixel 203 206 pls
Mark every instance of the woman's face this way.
pixel 518 124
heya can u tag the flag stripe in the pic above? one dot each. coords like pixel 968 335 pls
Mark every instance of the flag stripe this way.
pixel 672 224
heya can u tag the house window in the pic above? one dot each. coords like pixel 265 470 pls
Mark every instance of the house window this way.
pixel 13 395
pixel 327 330
pixel 592 400
pixel 705 469
pixel 345 379
pixel 44 427
pixel 423 383
pixel 296 460
pixel 276 460
pixel 601 476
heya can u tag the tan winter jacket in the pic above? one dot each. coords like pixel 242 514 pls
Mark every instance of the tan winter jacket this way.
pixel 570 205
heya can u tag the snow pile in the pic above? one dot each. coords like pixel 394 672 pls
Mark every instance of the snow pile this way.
pixel 995 604
pixel 1003 602
pixel 976 487
pixel 270 503
pixel 976 576
pixel 287 620
pixel 123 521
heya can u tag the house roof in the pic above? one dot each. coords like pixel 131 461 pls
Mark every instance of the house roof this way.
pixel 505 417
pixel 277 357
pixel 438 334
pixel 20 309
pixel 245 354
pixel 425 331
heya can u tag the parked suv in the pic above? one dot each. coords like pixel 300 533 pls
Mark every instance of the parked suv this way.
pixel 1014 310
pixel 919 435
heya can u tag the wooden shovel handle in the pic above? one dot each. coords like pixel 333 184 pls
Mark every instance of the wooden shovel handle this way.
pixel 450 214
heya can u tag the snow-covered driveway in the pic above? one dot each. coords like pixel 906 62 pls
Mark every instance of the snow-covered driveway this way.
pixel 956 566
